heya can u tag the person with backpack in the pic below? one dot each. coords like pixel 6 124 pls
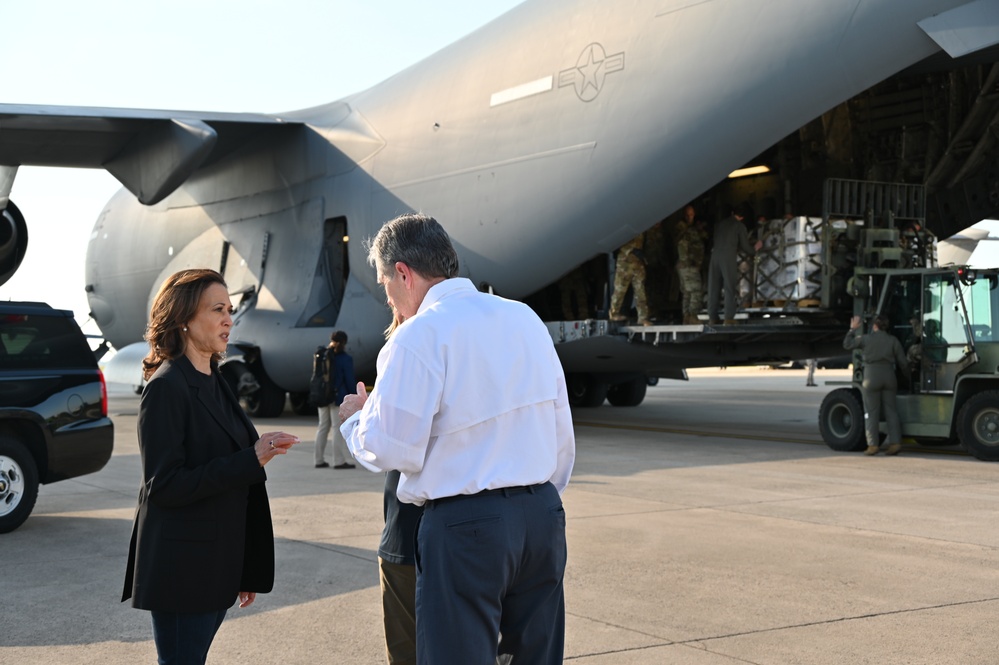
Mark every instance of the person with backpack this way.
pixel 332 380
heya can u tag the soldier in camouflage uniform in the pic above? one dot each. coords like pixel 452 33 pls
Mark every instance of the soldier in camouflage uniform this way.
pixel 660 258
pixel 573 290
pixel 630 271
pixel 690 238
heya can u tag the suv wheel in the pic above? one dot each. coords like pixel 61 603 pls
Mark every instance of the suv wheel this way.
pixel 18 484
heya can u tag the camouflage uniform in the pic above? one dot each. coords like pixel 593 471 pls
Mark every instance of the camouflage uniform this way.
pixel 690 249
pixel 630 270
pixel 573 289
pixel 660 259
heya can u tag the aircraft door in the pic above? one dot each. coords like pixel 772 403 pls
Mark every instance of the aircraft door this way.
pixel 981 301
pixel 330 280
pixel 900 303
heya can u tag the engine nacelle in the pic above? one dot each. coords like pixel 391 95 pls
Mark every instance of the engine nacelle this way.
pixel 13 241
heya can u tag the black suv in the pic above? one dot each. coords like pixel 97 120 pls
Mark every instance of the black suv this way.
pixel 54 420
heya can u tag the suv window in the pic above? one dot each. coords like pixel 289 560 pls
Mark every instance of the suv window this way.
pixel 42 342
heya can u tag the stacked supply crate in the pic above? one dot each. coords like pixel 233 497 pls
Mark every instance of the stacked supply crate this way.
pixel 789 269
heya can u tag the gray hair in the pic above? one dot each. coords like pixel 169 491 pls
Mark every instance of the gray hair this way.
pixel 417 240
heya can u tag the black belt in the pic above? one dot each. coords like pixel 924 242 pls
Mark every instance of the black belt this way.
pixel 505 491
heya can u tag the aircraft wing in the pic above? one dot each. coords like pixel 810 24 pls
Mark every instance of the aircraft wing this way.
pixel 966 29
pixel 150 152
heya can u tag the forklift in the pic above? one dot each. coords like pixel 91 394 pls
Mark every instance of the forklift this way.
pixel 947 320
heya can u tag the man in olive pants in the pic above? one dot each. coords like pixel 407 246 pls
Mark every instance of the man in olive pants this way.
pixel 881 353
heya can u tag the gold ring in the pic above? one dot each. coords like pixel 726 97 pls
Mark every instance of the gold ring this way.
pixel 272 445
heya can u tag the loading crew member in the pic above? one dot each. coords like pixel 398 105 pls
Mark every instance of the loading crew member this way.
pixel 881 353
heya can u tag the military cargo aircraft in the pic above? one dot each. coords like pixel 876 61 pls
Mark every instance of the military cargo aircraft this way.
pixel 550 136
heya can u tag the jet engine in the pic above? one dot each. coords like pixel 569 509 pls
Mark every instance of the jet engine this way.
pixel 13 241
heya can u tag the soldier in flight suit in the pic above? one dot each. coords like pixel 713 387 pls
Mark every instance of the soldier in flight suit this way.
pixel 630 270
pixel 690 239
pixel 882 353
pixel 723 272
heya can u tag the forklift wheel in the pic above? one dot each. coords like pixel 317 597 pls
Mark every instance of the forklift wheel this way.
pixel 841 420
pixel 978 425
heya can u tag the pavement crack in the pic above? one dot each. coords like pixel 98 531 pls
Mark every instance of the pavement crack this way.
pixel 700 643
pixel 328 547
pixel 730 509
pixel 828 622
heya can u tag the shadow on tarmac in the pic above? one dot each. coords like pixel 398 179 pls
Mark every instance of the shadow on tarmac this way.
pixel 70 570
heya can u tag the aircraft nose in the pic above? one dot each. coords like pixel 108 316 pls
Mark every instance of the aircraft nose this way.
pixel 100 309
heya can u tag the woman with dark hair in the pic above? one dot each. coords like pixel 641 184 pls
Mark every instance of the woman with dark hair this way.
pixel 332 380
pixel 202 536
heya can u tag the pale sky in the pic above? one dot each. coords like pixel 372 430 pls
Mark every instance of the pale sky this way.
pixel 265 56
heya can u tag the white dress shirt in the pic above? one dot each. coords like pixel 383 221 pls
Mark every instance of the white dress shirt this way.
pixel 470 396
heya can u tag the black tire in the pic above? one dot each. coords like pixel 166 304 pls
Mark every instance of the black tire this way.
pixel 239 377
pixel 629 393
pixel 300 404
pixel 18 484
pixel 585 391
pixel 978 425
pixel 267 401
pixel 841 420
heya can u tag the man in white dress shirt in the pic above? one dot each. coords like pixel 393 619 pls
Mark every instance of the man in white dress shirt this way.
pixel 471 407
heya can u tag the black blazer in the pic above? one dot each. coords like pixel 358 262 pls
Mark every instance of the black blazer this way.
pixel 202 530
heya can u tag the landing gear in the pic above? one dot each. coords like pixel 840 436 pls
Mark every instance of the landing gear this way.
pixel 259 395
pixel 590 390
pixel 841 420
pixel 585 390
pixel 629 393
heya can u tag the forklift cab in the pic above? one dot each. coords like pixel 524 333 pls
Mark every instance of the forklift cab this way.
pixel 930 317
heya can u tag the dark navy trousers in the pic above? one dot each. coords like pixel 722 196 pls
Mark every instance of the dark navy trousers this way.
pixel 183 638
pixel 489 578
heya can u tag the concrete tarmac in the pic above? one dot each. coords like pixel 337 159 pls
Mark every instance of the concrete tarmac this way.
pixel 709 526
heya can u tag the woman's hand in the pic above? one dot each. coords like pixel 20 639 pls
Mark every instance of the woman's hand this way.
pixel 271 444
pixel 246 598
pixel 854 323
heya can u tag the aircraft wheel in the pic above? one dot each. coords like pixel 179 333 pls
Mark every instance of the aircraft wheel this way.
pixel 18 484
pixel 629 393
pixel 240 378
pixel 300 404
pixel 267 402
pixel 585 390
pixel 259 395
pixel 978 425
pixel 841 420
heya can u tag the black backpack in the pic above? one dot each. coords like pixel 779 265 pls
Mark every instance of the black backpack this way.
pixel 320 388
